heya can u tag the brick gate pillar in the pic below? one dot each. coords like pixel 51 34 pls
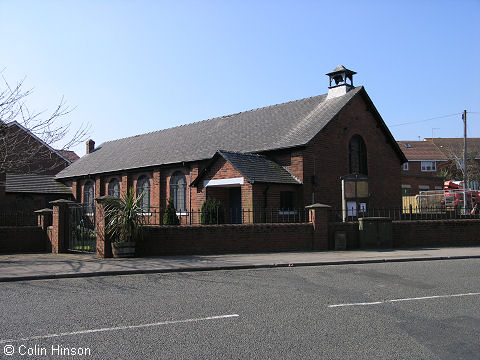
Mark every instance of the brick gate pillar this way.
pixel 60 225
pixel 104 245
pixel 318 216
pixel 44 220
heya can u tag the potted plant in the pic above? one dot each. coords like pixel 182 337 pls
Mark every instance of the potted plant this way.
pixel 124 223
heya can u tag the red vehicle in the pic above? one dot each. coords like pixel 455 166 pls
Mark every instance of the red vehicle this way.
pixel 453 195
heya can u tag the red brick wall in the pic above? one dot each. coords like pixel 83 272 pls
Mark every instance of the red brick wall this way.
pixel 22 239
pixel 464 232
pixel 214 239
pixel 349 228
pixel 328 157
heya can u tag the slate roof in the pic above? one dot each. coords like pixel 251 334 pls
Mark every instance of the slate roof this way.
pixel 341 68
pixel 421 150
pixel 280 126
pixel 258 168
pixel 34 184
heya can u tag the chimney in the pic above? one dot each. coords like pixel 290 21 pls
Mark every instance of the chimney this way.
pixel 90 146
pixel 340 75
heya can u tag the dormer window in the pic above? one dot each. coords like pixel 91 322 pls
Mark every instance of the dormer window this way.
pixel 408 146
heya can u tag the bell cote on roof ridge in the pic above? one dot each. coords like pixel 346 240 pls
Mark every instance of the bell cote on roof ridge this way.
pixel 340 81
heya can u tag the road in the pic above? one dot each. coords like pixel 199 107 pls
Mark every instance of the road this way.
pixel 411 310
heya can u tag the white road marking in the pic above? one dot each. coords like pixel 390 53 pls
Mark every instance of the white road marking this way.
pixel 405 299
pixel 91 331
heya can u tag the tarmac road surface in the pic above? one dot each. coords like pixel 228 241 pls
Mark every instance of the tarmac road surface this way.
pixel 408 310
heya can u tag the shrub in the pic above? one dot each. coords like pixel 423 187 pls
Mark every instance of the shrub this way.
pixel 170 216
pixel 212 212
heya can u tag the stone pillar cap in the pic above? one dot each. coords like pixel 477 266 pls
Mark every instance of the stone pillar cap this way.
pixel 44 211
pixel 318 206
pixel 62 202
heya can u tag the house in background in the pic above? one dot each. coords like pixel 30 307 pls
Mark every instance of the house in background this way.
pixel 452 148
pixel 422 172
pixel 25 153
pixel 27 192
pixel 279 157
pixel 28 169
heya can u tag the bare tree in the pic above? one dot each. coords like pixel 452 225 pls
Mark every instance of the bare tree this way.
pixel 454 169
pixel 27 138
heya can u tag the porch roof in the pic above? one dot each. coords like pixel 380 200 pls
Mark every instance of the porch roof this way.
pixel 254 167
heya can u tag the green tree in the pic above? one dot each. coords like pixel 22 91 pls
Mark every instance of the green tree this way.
pixel 170 216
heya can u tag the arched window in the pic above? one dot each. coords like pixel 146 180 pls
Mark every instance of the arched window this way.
pixel 178 191
pixel 89 197
pixel 114 188
pixel 358 156
pixel 143 187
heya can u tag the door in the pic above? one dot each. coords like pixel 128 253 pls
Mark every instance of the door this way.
pixel 235 202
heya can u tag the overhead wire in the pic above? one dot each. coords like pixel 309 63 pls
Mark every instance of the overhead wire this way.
pixel 425 120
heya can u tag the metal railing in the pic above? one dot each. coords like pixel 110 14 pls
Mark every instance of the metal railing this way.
pixel 154 216
pixel 407 213
pixel 17 218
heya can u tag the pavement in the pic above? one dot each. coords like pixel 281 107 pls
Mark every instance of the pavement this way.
pixel 18 267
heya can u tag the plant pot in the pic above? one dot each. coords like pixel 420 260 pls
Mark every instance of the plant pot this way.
pixel 123 249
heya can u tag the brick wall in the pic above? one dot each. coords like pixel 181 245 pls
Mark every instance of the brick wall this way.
pixel 214 239
pixel 22 239
pixel 327 156
pixel 422 233
pixel 350 229
pixel 463 232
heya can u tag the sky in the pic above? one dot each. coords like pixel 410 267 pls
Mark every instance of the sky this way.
pixel 131 67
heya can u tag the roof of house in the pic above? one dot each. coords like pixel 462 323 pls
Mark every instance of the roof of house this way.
pixel 69 155
pixel 255 168
pixel 286 125
pixel 421 150
pixel 453 147
pixel 35 184
pixel 23 128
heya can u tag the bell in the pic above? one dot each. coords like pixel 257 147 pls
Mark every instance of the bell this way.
pixel 338 79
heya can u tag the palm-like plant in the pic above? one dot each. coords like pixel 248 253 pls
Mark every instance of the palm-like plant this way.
pixel 124 217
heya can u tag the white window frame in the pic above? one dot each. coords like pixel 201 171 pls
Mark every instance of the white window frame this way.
pixel 428 164
pixel 405 166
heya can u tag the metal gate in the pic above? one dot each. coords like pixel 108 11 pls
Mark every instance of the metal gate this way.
pixel 82 229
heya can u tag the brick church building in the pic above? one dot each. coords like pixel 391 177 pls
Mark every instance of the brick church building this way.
pixel 284 156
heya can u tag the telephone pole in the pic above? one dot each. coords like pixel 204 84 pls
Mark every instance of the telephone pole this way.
pixel 465 178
